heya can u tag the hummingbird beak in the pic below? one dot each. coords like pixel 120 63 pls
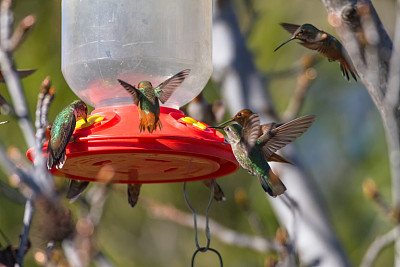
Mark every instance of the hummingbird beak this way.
pixel 85 118
pixel 216 127
pixel 292 38
pixel 222 124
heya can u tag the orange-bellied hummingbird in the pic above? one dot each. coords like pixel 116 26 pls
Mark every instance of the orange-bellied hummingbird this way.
pixel 146 98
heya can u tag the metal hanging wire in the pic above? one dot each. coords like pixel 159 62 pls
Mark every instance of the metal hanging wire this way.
pixel 207 228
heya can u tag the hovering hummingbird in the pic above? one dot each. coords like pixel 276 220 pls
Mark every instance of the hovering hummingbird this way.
pixel 61 132
pixel 133 193
pixel 146 98
pixel 292 130
pixel 248 150
pixel 324 43
pixel 75 189
pixel 253 144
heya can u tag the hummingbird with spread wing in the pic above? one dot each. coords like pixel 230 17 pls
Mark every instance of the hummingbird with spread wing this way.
pixel 248 150
pixel 286 131
pixel 254 144
pixel 147 98
pixel 324 43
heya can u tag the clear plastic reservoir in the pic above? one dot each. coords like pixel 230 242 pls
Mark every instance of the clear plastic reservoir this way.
pixel 135 40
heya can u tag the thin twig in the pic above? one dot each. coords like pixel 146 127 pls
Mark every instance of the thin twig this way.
pixel 303 84
pixel 25 233
pixel 21 32
pixel 228 236
pixel 11 76
pixel 378 245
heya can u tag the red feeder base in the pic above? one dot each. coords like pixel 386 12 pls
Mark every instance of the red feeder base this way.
pixel 179 152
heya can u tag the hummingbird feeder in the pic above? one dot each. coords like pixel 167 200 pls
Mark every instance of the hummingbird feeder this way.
pixel 132 40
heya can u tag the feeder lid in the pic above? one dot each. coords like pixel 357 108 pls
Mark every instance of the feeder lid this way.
pixel 184 150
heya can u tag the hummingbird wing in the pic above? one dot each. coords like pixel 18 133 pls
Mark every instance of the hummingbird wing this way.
pixel 166 88
pixel 21 74
pixel 132 90
pixel 290 27
pixel 281 136
pixel 59 138
pixel 269 126
pixel 250 131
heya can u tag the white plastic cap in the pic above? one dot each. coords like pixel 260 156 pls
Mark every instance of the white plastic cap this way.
pixel 135 40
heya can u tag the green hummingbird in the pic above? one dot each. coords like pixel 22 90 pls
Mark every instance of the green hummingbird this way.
pixel 252 150
pixel 324 43
pixel 282 133
pixel 241 118
pixel 247 148
pixel 146 98
pixel 61 132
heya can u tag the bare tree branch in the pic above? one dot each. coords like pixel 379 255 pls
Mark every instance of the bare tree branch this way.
pixel 370 49
pixel 243 87
pixel 303 84
pixel 378 245
pixel 228 236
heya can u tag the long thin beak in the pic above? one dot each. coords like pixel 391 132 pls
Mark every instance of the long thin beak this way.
pixel 85 118
pixel 292 38
pixel 216 127
pixel 222 124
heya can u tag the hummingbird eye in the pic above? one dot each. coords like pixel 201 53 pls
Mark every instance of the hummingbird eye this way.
pixel 228 129
pixel 239 114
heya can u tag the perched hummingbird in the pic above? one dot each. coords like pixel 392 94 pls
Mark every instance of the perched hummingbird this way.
pixel 75 189
pixel 133 193
pixel 61 132
pixel 248 150
pixel 146 98
pixel 324 43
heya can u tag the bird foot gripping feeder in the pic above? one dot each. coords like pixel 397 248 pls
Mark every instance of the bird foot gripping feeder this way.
pixel 134 41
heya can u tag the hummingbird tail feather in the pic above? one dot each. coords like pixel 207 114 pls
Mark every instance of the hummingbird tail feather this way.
pixel 148 122
pixel 75 189
pixel 50 162
pixel 346 68
pixel 60 163
pixel 133 194
pixel 272 184
pixel 218 193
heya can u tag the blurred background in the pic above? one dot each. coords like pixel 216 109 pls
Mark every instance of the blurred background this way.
pixel 345 146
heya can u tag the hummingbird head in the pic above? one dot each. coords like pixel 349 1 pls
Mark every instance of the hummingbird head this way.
pixel 144 84
pixel 80 109
pixel 305 33
pixel 242 116
pixel 233 132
